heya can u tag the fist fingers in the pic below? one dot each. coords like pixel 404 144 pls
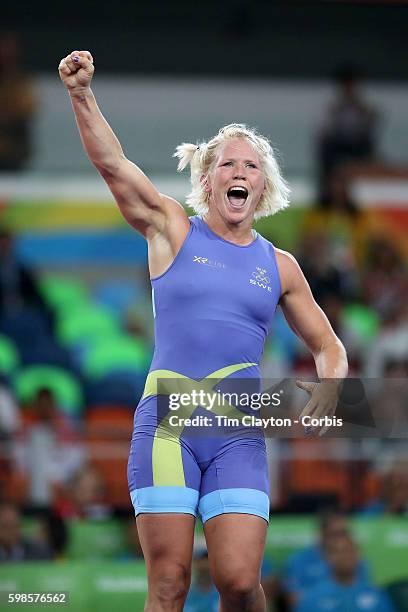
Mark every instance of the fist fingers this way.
pixel 75 59
pixel 76 69
pixel 64 68
pixel 70 64
pixel 87 55
pixel 81 58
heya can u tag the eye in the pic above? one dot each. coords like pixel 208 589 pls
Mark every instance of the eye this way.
pixel 228 163
pixel 252 165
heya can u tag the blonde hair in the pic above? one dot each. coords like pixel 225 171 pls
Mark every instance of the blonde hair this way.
pixel 201 158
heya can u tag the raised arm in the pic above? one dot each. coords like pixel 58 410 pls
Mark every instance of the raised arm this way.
pixel 310 323
pixel 140 202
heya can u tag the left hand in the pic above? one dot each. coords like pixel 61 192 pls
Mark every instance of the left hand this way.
pixel 322 403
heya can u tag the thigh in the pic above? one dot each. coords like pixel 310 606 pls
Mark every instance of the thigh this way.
pixel 166 539
pixel 236 480
pixel 236 544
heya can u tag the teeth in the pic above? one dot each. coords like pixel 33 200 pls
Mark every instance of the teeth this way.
pixel 241 189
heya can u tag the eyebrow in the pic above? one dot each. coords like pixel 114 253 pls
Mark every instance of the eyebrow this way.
pixel 228 159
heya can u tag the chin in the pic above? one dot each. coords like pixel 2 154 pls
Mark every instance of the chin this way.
pixel 237 216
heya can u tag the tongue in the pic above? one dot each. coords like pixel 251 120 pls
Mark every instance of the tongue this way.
pixel 236 201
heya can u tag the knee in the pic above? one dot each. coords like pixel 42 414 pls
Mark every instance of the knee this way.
pixel 240 588
pixel 169 582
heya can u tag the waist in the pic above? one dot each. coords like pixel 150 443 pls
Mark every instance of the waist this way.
pixel 199 349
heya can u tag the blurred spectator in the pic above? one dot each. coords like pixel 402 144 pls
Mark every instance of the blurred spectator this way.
pixel 332 306
pixel 85 496
pixel 10 419
pixel 396 368
pixel 53 533
pixel 203 596
pixel 341 222
pixel 347 130
pixel 10 422
pixel 325 277
pixel 385 281
pixel 48 449
pixel 18 286
pixel 339 198
pixel 309 566
pixel 13 545
pixel 17 106
pixel 391 345
pixel 23 312
pixel 394 495
pixel 388 399
pixel 344 590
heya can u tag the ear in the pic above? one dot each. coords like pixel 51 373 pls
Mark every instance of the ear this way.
pixel 205 183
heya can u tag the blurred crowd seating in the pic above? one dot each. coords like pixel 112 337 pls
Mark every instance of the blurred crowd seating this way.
pixel 75 347
pixel 87 347
pixel 99 559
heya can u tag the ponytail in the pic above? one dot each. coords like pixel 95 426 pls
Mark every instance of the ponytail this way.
pixel 185 153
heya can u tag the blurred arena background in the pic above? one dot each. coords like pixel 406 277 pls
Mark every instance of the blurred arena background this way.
pixel 328 83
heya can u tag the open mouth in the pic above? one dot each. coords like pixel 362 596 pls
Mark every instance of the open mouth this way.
pixel 237 196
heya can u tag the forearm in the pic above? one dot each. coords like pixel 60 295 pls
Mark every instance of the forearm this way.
pixel 331 360
pixel 100 143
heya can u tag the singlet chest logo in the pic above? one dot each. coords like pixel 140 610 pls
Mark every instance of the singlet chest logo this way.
pixel 208 262
pixel 260 279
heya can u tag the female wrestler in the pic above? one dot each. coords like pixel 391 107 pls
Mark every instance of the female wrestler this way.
pixel 216 285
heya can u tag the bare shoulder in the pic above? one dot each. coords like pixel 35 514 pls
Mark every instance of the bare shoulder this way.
pixel 173 207
pixel 165 239
pixel 172 227
pixel 175 216
pixel 290 272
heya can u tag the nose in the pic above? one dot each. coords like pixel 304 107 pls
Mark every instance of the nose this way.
pixel 239 172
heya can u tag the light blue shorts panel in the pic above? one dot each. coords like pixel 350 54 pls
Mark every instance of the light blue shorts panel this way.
pixel 242 501
pixel 165 499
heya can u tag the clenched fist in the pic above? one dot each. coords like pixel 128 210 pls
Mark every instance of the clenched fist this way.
pixel 76 70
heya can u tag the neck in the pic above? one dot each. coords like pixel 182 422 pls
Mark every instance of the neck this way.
pixel 241 233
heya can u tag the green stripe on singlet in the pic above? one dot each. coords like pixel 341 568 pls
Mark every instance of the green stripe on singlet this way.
pixel 167 461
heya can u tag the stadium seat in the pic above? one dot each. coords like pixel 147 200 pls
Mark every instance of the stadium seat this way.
pixel 27 326
pixel 63 384
pixel 14 486
pixel 108 424
pixel 106 415
pixel 63 293
pixel 46 352
pixel 108 430
pixel 116 353
pixel 117 295
pixel 9 359
pixel 362 320
pixel 121 388
pixel 313 476
pixel 81 325
pixel 113 466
